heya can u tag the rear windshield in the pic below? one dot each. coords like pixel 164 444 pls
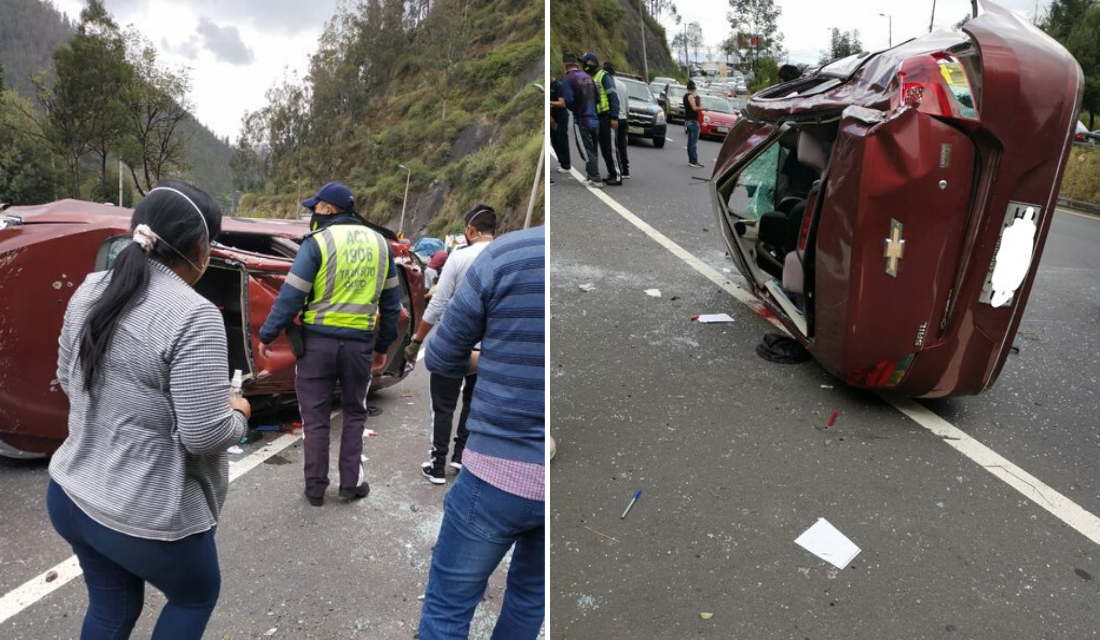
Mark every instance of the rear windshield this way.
pixel 638 91
pixel 677 91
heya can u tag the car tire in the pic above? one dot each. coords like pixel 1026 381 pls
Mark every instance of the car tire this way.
pixel 659 143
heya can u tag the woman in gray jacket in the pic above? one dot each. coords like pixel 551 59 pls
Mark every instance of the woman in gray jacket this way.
pixel 137 486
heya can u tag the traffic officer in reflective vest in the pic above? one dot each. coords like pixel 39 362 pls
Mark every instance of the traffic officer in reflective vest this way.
pixel 344 282
pixel 607 112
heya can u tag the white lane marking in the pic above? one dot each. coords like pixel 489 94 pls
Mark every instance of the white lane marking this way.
pixel 669 139
pixel 1034 489
pixel 1069 512
pixel 42 585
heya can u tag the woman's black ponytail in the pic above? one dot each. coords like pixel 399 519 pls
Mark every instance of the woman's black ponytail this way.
pixel 181 232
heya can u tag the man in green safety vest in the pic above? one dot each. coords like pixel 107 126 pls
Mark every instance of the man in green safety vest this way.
pixel 607 112
pixel 344 282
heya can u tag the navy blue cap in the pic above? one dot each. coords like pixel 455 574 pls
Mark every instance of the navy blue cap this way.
pixel 333 193
pixel 589 58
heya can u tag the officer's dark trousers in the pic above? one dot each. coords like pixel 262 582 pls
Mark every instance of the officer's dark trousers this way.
pixel 621 141
pixel 606 150
pixel 559 140
pixel 445 392
pixel 329 362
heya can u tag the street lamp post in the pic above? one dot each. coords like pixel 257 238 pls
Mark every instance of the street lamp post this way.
pixel 891 32
pixel 408 176
pixel 645 60
pixel 538 172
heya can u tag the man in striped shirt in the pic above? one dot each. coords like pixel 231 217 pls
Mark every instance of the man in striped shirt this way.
pixel 498 500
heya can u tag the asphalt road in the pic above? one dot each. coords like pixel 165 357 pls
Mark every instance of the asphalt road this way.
pixel 734 462
pixel 346 570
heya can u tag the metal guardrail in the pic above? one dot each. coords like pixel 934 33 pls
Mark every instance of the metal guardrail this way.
pixel 1078 205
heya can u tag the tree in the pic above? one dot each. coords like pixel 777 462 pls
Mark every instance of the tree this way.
pixel 85 109
pixel 156 104
pixel 447 34
pixel 755 21
pixel 27 173
pixel 1076 25
pixel 694 35
pixel 842 45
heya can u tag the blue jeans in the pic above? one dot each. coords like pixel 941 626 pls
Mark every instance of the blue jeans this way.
pixel 692 128
pixel 117 566
pixel 480 524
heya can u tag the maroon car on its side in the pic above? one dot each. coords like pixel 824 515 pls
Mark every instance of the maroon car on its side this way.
pixel 891 208
pixel 47 251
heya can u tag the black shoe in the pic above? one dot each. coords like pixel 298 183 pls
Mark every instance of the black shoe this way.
pixel 614 183
pixel 456 462
pixel 319 501
pixel 433 473
pixel 355 493
pixel 626 176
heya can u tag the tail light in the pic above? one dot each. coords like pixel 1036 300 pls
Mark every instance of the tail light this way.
pixel 936 84
pixel 884 375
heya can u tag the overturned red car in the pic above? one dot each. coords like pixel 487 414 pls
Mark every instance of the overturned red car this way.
pixel 891 208
pixel 46 252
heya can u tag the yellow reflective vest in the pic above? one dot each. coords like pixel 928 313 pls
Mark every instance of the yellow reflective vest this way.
pixel 354 261
pixel 604 105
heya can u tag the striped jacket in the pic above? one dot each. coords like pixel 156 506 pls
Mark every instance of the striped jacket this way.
pixel 146 453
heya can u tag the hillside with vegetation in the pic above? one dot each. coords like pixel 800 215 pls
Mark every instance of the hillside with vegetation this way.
pixel 443 87
pixel 612 29
pixel 64 138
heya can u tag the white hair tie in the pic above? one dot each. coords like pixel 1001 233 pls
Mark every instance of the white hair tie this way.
pixel 145 237
pixel 184 196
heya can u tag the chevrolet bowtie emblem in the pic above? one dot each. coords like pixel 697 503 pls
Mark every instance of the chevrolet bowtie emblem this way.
pixel 895 248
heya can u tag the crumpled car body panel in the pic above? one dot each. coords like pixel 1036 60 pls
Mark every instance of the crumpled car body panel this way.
pixel 50 250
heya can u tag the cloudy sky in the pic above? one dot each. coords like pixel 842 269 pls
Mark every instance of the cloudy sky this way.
pixel 236 49
pixel 806 24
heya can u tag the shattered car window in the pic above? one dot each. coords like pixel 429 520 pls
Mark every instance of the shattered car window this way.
pixel 754 194
pixel 110 250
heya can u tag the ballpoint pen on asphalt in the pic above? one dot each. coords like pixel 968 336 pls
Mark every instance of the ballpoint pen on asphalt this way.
pixel 637 494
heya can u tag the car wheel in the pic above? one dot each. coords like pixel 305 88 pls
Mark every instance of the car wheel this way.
pixel 659 142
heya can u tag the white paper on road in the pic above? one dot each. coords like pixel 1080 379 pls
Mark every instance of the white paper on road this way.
pixel 826 542
pixel 711 318
pixel 235 449
pixel 587 287
pixel 656 293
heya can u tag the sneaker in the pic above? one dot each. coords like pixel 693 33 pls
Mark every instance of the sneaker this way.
pixel 614 183
pixel 319 501
pixel 697 165
pixel 595 184
pixel 355 493
pixel 562 169
pixel 456 464
pixel 433 473
pixel 626 176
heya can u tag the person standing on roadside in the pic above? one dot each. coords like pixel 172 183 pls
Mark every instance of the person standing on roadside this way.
pixel 444 391
pixel 579 94
pixel 344 277
pixel 138 485
pixel 499 501
pixel 621 129
pixel 691 124
pixel 559 125
pixel 607 113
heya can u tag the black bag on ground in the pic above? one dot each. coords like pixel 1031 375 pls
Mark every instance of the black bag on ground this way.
pixel 782 349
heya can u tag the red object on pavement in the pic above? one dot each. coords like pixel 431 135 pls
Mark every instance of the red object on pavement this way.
pixel 832 418
pixel 694 317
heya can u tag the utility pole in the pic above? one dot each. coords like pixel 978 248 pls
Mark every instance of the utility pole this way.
pixel 401 225
pixel 930 22
pixel 645 60
pixel 120 182
pixel 891 32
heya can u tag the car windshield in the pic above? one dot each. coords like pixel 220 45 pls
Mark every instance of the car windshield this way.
pixel 737 104
pixel 714 103
pixel 638 91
